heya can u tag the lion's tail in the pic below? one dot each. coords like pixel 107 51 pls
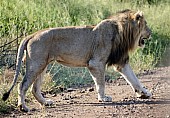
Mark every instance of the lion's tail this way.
pixel 18 65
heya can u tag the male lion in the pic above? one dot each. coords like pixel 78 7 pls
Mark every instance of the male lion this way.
pixel 94 47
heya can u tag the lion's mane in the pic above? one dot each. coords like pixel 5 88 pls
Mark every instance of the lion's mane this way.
pixel 126 38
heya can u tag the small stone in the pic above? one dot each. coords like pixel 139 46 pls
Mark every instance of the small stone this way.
pixel 82 91
pixel 70 90
pixel 150 107
pixel 62 94
pixel 33 109
pixel 91 89
pixel 54 95
pixel 110 81
pixel 13 115
pixel 66 98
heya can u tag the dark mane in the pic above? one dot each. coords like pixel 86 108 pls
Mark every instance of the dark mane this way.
pixel 118 56
pixel 125 40
pixel 124 11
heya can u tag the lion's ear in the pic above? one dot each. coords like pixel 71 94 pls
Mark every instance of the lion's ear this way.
pixel 137 16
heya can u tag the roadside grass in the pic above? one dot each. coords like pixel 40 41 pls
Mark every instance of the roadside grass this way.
pixel 5 82
pixel 25 17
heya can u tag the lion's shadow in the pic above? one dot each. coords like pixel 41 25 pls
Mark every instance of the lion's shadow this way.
pixel 130 102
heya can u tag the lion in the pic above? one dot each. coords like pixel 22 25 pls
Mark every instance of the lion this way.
pixel 94 47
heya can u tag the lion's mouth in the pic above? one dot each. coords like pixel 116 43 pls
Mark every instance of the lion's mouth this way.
pixel 142 42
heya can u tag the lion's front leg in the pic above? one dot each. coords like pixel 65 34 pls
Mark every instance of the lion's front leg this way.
pixel 131 78
pixel 97 70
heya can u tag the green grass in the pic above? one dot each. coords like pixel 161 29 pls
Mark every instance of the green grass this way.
pixel 27 16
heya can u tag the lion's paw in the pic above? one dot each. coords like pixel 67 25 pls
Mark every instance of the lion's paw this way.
pixel 49 102
pixel 145 94
pixel 105 99
pixel 24 108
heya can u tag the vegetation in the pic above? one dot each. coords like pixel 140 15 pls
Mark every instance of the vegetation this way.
pixel 19 18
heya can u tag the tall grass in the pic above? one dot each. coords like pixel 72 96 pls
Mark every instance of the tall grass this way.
pixel 159 21
pixel 27 16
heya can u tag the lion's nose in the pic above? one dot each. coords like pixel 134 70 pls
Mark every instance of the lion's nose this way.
pixel 150 32
pixel 150 35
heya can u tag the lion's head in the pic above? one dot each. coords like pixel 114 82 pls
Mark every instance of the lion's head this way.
pixel 145 33
pixel 134 27
pixel 132 32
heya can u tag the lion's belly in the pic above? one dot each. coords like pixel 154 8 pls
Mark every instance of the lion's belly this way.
pixel 71 62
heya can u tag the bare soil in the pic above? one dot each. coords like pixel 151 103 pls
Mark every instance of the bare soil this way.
pixel 83 103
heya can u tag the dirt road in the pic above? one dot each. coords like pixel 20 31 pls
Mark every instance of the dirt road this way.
pixel 82 102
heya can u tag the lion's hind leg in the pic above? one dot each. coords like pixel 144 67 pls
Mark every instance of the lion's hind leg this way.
pixel 33 69
pixel 36 90
pixel 22 89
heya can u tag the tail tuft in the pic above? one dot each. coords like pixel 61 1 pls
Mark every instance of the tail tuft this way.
pixel 5 96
